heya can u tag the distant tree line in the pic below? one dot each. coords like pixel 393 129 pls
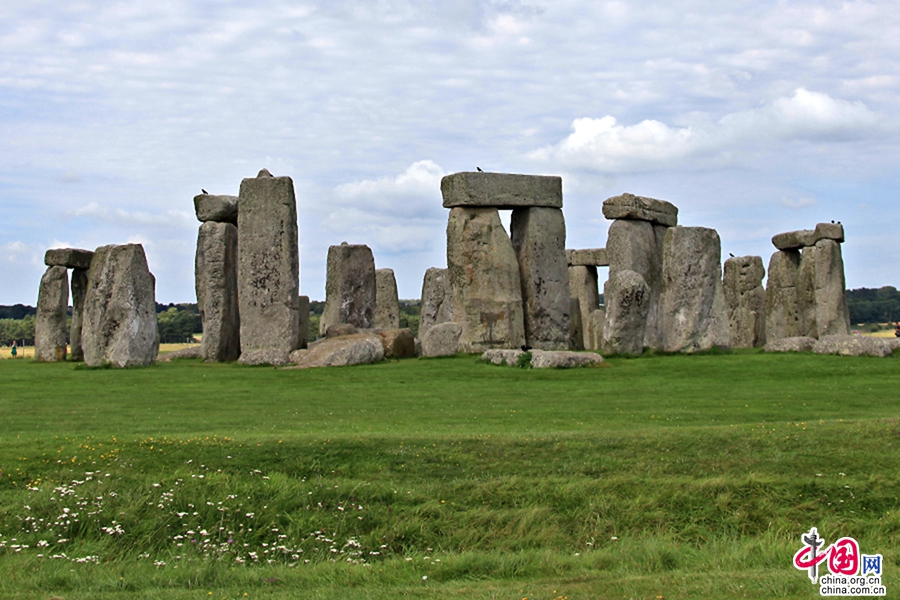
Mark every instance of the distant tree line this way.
pixel 869 305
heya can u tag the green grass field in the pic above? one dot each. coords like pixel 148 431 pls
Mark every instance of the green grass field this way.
pixel 657 477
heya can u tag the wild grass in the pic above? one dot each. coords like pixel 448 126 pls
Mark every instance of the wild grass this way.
pixel 655 477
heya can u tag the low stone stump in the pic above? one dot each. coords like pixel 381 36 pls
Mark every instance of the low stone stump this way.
pixel 853 345
pixel 543 359
pixel 356 349
pixel 194 351
pixel 350 294
pixel 441 340
pixel 791 344
pixel 397 343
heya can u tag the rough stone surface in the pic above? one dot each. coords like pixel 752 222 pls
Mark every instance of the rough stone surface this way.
pixel 634 245
pixel 50 320
pixel 543 359
pixel 539 239
pixel 303 309
pixel 693 301
pixel 829 231
pixel 629 206
pixel 583 287
pixel 501 190
pixel 594 330
pixel 340 330
pixel 387 304
pixel 587 257
pixel 502 357
pixel 194 351
pixel 441 340
pixel 436 306
pixel 806 294
pixel 357 349
pixel 71 258
pixel 216 283
pixel 793 240
pixel 269 264
pixel 782 303
pixel 576 328
pixel 853 345
pixel 832 315
pixel 349 287
pixel 627 298
pixel 791 344
pixel 79 286
pixel 221 209
pixel 745 299
pixel 484 276
pixel 397 343
pixel 275 357
pixel 119 326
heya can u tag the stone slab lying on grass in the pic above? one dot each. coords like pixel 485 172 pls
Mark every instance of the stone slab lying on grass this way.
pixel 356 349
pixel 441 340
pixel 265 356
pixel 70 258
pixel 791 344
pixel 543 359
pixel 397 343
pixel 195 351
pixel 853 345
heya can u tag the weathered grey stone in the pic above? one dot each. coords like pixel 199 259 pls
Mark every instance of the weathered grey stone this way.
pixel 539 239
pixel 50 320
pixel 216 282
pixel 543 359
pixel 583 287
pixel 793 240
pixel 745 299
pixel 893 343
pixel 627 296
pixel 71 258
pixel 436 306
pixel 255 357
pixel 357 349
pixel 629 206
pixel 387 304
pixel 484 276
pixel 194 351
pixel 501 190
pixel 441 339
pixel 791 344
pixel 397 343
pixel 269 264
pixel 829 231
pixel 634 245
pixel 79 291
pixel 693 301
pixel 806 294
pixel 594 330
pixel 221 209
pixel 587 257
pixel 832 315
pixel 853 345
pixel 119 326
pixel 782 302
pixel 500 356
pixel 303 309
pixel 340 330
pixel 349 287
pixel 576 328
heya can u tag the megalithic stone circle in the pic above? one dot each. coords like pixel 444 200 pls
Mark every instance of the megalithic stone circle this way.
pixel 216 281
pixel 268 269
pixel 50 320
pixel 387 303
pixel 119 326
pixel 350 295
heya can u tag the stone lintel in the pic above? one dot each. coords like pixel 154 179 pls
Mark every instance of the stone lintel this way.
pixel 70 258
pixel 222 209
pixel 805 238
pixel 501 190
pixel 629 206
pixel 587 257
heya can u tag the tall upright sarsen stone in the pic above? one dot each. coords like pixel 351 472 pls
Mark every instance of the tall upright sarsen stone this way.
pixel 350 294
pixel 436 306
pixel 268 269
pixel 120 309
pixel 746 301
pixel 216 280
pixel 79 291
pixel 832 314
pixel 387 303
pixel 50 320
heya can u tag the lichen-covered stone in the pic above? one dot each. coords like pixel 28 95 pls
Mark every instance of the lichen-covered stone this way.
pixel 794 240
pixel 745 299
pixel 542 359
pixel 501 190
pixel 436 306
pixel 791 344
pixel 782 301
pixel 387 303
pixel 357 349
pixel 853 345
pixel 441 339
pixel 627 301
pixel 216 282
pixel 629 206
pixel 832 314
pixel 350 295
pixel 50 320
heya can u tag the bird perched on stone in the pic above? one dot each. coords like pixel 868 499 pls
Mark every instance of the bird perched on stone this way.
pixel 479 169
pixel 731 255
pixel 205 192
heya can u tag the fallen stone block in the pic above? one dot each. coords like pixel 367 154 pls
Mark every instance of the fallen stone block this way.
pixel 542 359
pixel 629 206
pixel 340 330
pixel 275 357
pixel 356 349
pixel 502 357
pixel 791 344
pixel 587 257
pixel 194 351
pixel 221 209
pixel 70 258
pixel 501 190
pixel 397 343
pixel 441 340
pixel 853 345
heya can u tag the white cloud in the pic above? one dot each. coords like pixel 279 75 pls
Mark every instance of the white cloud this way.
pixel 414 193
pixel 168 218
pixel 797 203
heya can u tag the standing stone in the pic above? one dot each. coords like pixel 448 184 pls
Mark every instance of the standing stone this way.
pixel 539 239
pixel 806 294
pixel 436 306
pixel 693 302
pixel 484 276
pixel 627 298
pixel 120 309
pixel 216 281
pixel 50 320
pixel 79 290
pixel 782 303
pixel 594 330
pixel 746 301
pixel 441 340
pixel 350 295
pixel 583 286
pixel 832 315
pixel 387 304
pixel 303 310
pixel 576 328
pixel 268 269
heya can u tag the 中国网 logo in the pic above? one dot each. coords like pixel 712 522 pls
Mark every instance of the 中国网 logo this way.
pixel 851 573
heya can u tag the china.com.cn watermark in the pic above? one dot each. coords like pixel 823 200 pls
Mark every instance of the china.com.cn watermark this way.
pixel 851 573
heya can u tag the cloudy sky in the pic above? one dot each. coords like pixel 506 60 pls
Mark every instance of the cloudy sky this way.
pixel 753 117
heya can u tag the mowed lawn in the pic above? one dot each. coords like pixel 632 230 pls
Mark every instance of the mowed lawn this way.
pixel 656 477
